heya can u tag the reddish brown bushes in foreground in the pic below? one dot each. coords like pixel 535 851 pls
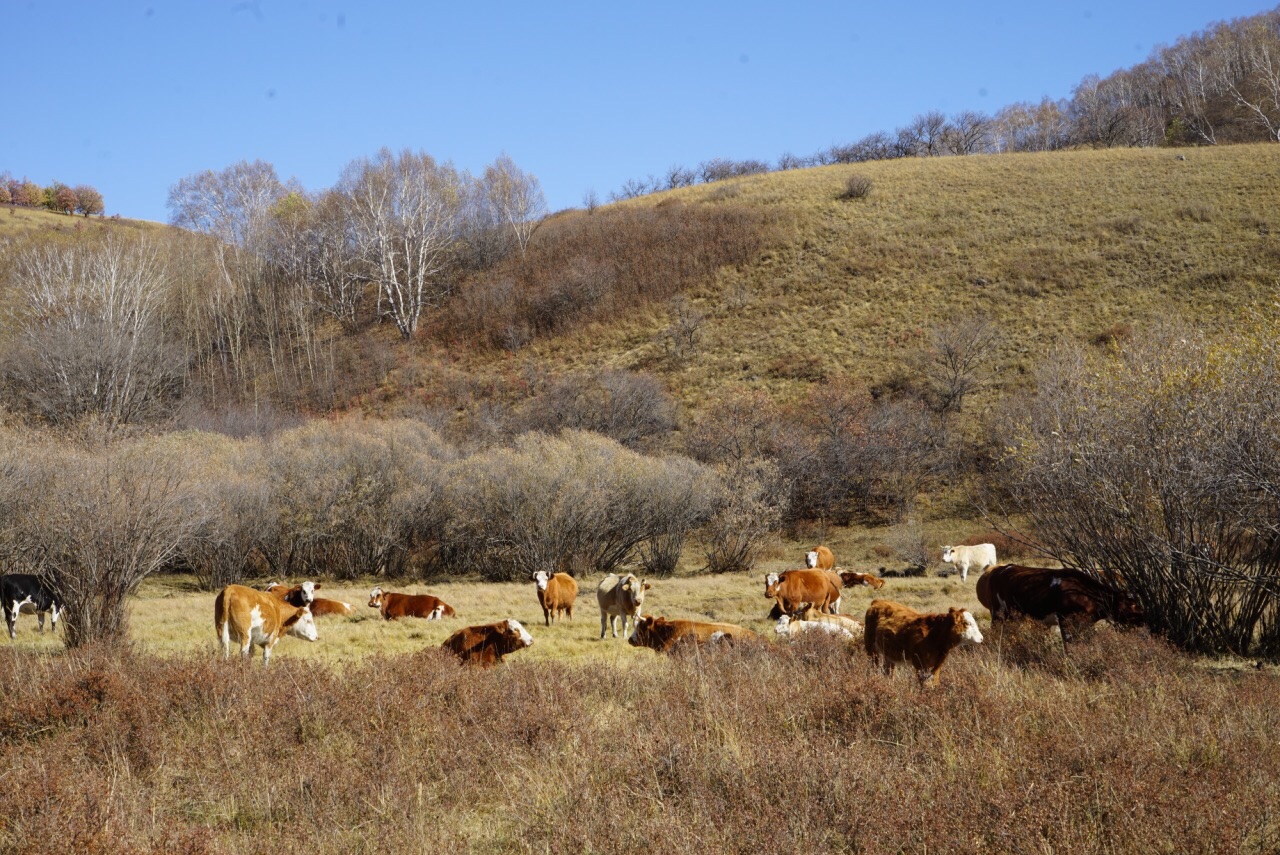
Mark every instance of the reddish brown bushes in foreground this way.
pixel 1127 747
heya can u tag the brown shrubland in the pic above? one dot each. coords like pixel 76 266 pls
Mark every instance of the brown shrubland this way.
pixel 1125 747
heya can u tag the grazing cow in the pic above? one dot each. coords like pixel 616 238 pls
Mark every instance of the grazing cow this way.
pixel 24 592
pixel 795 589
pixel 298 596
pixel 485 645
pixel 394 606
pixel 252 617
pixel 665 636
pixel 620 597
pixel 812 615
pixel 793 629
pixel 556 594
pixel 853 580
pixel 895 634
pixel 980 556
pixel 820 558
pixel 1069 598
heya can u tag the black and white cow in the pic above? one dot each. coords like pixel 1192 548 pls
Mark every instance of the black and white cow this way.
pixel 23 592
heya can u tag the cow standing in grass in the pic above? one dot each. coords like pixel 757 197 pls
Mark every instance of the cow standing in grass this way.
pixel 894 634
pixel 620 597
pixel 250 617
pixel 556 593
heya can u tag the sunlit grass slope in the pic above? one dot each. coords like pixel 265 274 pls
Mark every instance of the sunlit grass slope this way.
pixel 1053 247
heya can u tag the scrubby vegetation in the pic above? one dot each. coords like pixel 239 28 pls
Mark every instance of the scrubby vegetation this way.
pixel 1123 748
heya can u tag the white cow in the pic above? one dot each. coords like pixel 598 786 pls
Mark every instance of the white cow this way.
pixel 794 628
pixel 981 556
pixel 620 597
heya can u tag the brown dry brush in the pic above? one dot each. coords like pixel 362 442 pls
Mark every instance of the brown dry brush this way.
pixel 1127 746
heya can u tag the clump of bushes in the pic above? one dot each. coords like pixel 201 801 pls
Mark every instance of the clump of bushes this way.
pixel 856 186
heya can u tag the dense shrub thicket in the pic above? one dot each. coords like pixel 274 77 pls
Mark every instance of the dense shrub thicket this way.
pixel 758 748
pixel 1155 467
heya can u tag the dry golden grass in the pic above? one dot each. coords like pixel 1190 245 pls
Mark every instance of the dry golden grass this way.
pixel 1061 246
pixel 17 222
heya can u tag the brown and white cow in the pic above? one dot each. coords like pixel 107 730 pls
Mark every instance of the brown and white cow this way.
pixel 665 636
pixel 854 580
pixel 820 558
pixel 394 606
pixel 795 589
pixel 1069 598
pixel 250 617
pixel 304 595
pixel 894 634
pixel 556 593
pixel 620 597
pixel 485 645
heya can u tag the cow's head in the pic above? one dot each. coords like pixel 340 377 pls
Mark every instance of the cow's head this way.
pixel 375 598
pixel 309 591
pixel 966 630
pixel 784 625
pixel 302 624
pixel 541 578
pixel 642 631
pixel 520 637
pixel 633 593
pixel 771 581
pixel 948 554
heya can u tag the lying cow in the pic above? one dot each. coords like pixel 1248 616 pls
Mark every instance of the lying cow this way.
pixel 792 629
pixel 304 595
pixel 981 556
pixel 895 634
pixel 485 645
pixel 620 597
pixel 854 580
pixel 394 606
pixel 665 636
pixel 812 615
pixel 1069 598
pixel 25 593
pixel 795 589
pixel 250 617
pixel 820 558
pixel 556 593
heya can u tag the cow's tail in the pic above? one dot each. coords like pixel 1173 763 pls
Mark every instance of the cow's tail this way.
pixel 222 625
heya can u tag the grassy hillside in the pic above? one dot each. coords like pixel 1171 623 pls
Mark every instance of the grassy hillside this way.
pixel 1078 246
pixel 17 222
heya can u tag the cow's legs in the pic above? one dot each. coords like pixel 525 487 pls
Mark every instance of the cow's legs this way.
pixel 53 619
pixel 606 620
pixel 40 621
pixel 11 619
pixel 266 652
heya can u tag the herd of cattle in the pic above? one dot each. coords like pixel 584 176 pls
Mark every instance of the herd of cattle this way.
pixel 805 600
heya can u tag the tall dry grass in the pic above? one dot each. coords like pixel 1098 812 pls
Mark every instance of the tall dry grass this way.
pixel 763 748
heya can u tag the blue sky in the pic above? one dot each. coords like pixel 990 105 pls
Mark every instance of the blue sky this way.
pixel 133 96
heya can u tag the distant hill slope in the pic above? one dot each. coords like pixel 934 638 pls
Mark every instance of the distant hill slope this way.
pixel 17 221
pixel 1063 246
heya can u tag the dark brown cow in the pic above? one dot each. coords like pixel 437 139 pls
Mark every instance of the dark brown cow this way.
pixel 894 634
pixel 394 606
pixel 664 635
pixel 1069 598
pixel 485 645
pixel 795 589
pixel 298 596
pixel 556 594
pixel 854 580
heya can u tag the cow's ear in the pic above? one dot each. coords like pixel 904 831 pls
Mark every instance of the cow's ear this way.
pixel 647 586
pixel 316 586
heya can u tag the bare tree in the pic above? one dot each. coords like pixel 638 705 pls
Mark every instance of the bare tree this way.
pixel 515 197
pixel 958 361
pixel 405 216
pixel 96 522
pixel 90 337
pixel 925 133
pixel 968 133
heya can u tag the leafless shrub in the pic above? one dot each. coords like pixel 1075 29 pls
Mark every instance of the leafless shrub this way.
pixel 857 186
pixel 958 361
pixel 344 496
pixel 94 522
pixel 749 510
pixel 633 409
pixel 577 502
pixel 908 543
pixel 681 336
pixel 1154 468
